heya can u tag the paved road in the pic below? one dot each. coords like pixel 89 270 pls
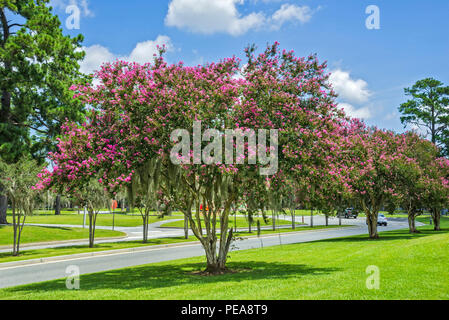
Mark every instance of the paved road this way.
pixel 13 276
pixel 156 232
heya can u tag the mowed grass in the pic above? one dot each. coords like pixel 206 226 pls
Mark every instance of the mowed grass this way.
pixel 32 234
pixel 242 222
pixel 106 220
pixel 411 267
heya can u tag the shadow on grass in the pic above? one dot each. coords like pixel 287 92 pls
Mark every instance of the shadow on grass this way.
pixel 51 227
pixel 153 276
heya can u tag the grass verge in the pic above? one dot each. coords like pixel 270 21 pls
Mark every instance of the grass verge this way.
pixel 107 220
pixel 33 234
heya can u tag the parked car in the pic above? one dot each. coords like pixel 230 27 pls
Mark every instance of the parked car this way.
pixel 381 220
pixel 349 213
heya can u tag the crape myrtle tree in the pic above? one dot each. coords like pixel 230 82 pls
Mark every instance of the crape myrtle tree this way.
pixel 413 175
pixel 368 169
pixel 294 96
pixel 421 179
pixel 209 93
pixel 139 107
pixel 436 194
pixel 18 180
pixel 75 172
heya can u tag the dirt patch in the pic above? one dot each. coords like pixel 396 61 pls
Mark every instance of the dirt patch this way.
pixel 205 273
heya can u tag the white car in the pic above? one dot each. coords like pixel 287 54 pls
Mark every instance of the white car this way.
pixel 381 220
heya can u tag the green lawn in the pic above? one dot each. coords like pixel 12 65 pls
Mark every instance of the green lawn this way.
pixel 242 222
pixel 120 220
pixel 411 267
pixel 32 234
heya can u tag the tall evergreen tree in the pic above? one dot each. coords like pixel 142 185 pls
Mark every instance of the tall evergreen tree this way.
pixel 428 108
pixel 38 64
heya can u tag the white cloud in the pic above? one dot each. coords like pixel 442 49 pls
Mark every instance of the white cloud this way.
pixel 351 111
pixel 291 12
pixel 144 52
pixel 214 16
pixel 348 89
pixel 211 16
pixel 96 55
pixel 353 94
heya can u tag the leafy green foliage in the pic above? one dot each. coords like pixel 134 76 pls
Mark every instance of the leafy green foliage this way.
pixel 38 64
pixel 428 109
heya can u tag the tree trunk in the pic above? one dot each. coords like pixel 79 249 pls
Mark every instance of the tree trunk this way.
pixel 145 218
pixel 274 220
pixel 327 220
pixel 186 227
pixel 436 217
pixel 216 264
pixel 216 261
pixel 293 219
pixel 3 209
pixel 20 226
pixel 14 225
pixel 411 222
pixel 58 205
pixel 92 223
pixel 91 240
pixel 372 225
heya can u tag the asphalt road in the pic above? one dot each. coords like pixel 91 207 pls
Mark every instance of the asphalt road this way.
pixel 38 272
pixel 155 231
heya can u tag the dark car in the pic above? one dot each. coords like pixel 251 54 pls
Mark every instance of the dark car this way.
pixel 349 213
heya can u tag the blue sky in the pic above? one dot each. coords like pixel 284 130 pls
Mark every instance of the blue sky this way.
pixel 370 66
